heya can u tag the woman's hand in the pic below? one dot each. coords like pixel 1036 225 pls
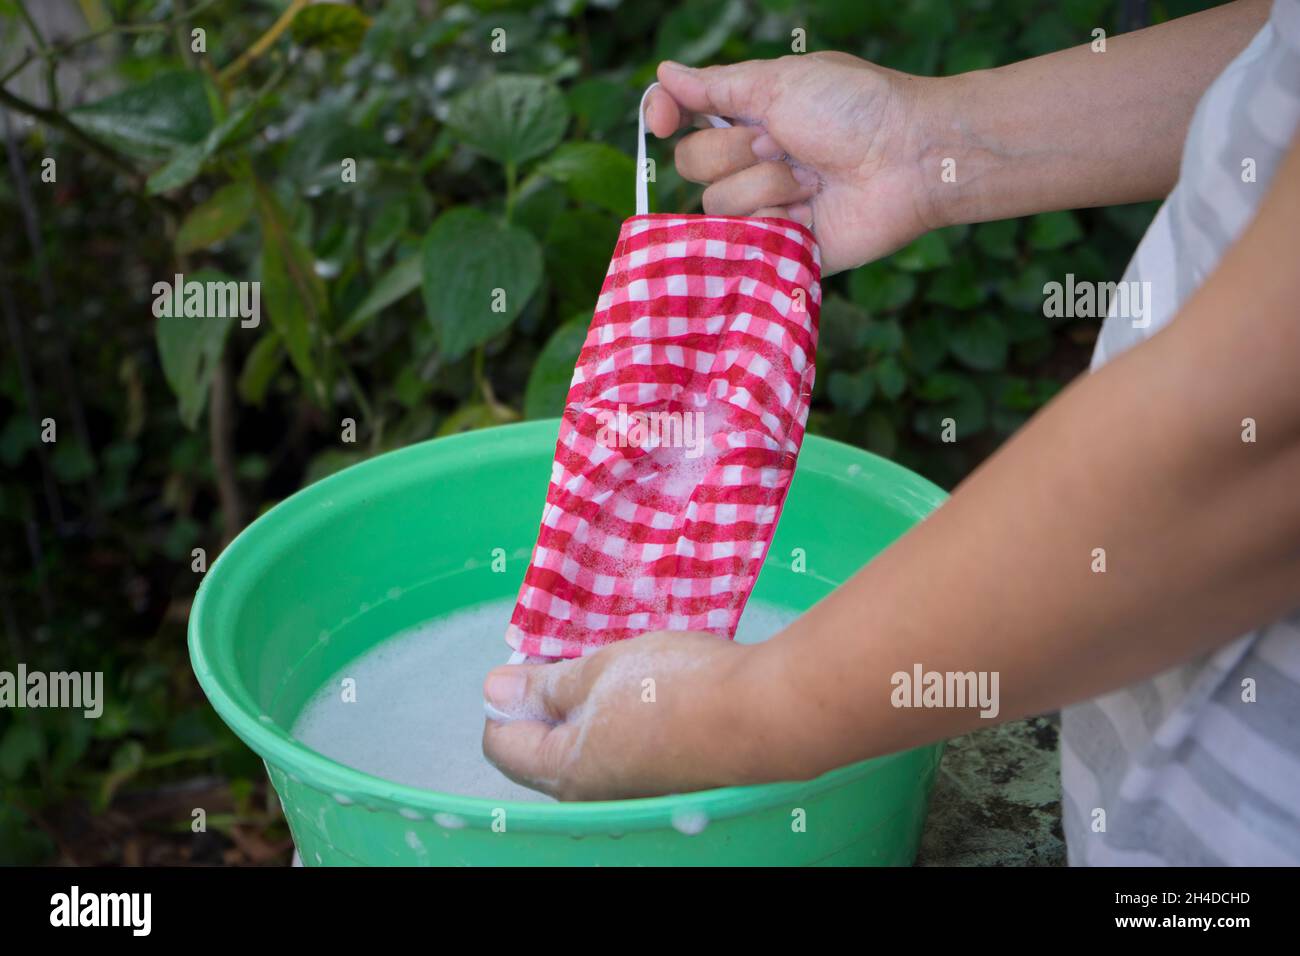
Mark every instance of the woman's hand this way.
pixel 660 713
pixel 878 157
pixel 852 132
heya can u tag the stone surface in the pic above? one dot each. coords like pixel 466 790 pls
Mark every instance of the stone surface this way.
pixel 997 799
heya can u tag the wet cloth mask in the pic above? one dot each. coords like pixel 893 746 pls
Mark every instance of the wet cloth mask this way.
pixel 678 441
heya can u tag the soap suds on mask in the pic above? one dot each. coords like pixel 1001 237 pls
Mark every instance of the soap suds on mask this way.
pixel 418 714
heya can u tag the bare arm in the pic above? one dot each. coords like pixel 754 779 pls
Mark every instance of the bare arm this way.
pixel 1081 128
pixel 865 147
pixel 1144 459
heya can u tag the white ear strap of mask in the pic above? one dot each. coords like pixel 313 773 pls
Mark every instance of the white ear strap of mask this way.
pixel 642 174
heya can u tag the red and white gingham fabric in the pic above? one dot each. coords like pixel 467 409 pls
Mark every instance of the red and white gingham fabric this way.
pixel 713 317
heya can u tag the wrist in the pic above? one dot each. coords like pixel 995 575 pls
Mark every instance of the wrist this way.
pixel 763 741
pixel 955 154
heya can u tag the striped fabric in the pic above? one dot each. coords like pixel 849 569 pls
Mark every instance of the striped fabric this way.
pixel 679 436
pixel 1187 768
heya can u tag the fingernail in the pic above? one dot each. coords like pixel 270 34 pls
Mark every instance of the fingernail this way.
pixel 804 177
pixel 504 690
pixel 678 67
pixel 765 147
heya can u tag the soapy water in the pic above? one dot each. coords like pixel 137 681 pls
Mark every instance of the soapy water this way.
pixel 418 714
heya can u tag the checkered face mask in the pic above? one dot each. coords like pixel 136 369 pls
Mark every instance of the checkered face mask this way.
pixel 680 433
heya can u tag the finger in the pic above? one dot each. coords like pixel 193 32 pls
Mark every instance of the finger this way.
pixel 530 752
pixel 764 184
pixel 533 692
pixel 663 117
pixel 739 90
pixel 714 154
pixel 772 212
pixel 801 213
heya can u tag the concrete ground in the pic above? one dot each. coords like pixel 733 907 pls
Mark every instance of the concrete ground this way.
pixel 997 799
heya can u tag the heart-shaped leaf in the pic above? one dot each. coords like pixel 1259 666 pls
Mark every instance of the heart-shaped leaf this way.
pixel 478 274
pixel 548 385
pixel 152 119
pixel 595 173
pixel 511 119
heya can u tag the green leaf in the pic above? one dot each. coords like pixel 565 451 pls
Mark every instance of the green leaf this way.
pixel 843 325
pixel 126 762
pixel 261 366
pixel 697 29
pixel 471 264
pixel 595 173
pixel 218 217
pixel 601 104
pixel 927 343
pixel 879 288
pixel 957 286
pixel 980 342
pixel 890 378
pixel 72 462
pixel 881 437
pixel 190 348
pixel 22 744
pixel 926 252
pixel 850 391
pixel 387 227
pixel 548 385
pixel 965 406
pixel 468 418
pixel 394 284
pixel 882 335
pixel 152 119
pixel 293 294
pixel 188 161
pixel 577 249
pixel 1025 289
pixel 997 239
pixel 329 461
pixel 1052 230
pixel 332 26
pixel 511 119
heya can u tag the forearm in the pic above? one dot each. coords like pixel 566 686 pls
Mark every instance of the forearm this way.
pixel 1076 128
pixel 1144 459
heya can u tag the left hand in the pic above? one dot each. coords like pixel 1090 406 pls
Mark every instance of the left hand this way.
pixel 651 715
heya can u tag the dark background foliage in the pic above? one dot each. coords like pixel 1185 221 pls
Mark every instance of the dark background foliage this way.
pixel 470 164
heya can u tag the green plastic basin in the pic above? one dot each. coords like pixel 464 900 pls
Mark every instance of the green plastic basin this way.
pixel 390 543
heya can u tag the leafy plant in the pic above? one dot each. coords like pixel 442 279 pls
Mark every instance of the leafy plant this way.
pixel 428 195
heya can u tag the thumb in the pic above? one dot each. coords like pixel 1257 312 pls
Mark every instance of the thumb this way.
pixel 533 692
pixel 738 91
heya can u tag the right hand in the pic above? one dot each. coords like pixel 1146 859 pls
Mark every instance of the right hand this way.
pixel 852 133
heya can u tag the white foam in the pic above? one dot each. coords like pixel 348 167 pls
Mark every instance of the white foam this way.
pixel 418 714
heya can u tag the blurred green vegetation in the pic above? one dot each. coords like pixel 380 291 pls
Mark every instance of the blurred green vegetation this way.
pixel 470 165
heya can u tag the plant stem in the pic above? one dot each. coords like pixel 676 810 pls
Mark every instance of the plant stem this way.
pixel 60 122
pixel 221 436
pixel 263 43
pixel 51 64
pixel 512 189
